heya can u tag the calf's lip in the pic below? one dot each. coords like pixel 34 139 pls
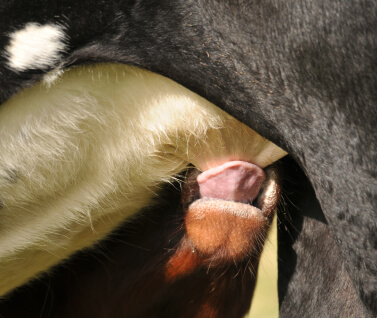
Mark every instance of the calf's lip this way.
pixel 224 231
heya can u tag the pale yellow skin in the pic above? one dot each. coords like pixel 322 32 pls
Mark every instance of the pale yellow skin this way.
pixel 79 157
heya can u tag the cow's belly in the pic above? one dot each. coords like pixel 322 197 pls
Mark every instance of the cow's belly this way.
pixel 79 157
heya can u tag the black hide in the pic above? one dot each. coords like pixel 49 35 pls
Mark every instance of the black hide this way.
pixel 313 281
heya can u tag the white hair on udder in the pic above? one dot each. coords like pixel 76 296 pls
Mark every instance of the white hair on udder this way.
pixel 78 158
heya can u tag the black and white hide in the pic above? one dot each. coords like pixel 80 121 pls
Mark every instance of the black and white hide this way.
pixel 108 117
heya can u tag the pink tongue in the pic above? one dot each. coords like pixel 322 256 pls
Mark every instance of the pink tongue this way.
pixel 235 180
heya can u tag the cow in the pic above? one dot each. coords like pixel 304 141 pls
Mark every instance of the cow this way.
pixel 299 73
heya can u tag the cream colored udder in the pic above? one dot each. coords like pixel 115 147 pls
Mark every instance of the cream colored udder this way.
pixel 79 157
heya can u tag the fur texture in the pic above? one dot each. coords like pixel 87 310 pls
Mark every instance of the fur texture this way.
pixel 144 269
pixel 78 158
pixel 35 47
pixel 302 73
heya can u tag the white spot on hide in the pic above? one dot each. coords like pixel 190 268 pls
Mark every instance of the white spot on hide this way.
pixel 35 47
